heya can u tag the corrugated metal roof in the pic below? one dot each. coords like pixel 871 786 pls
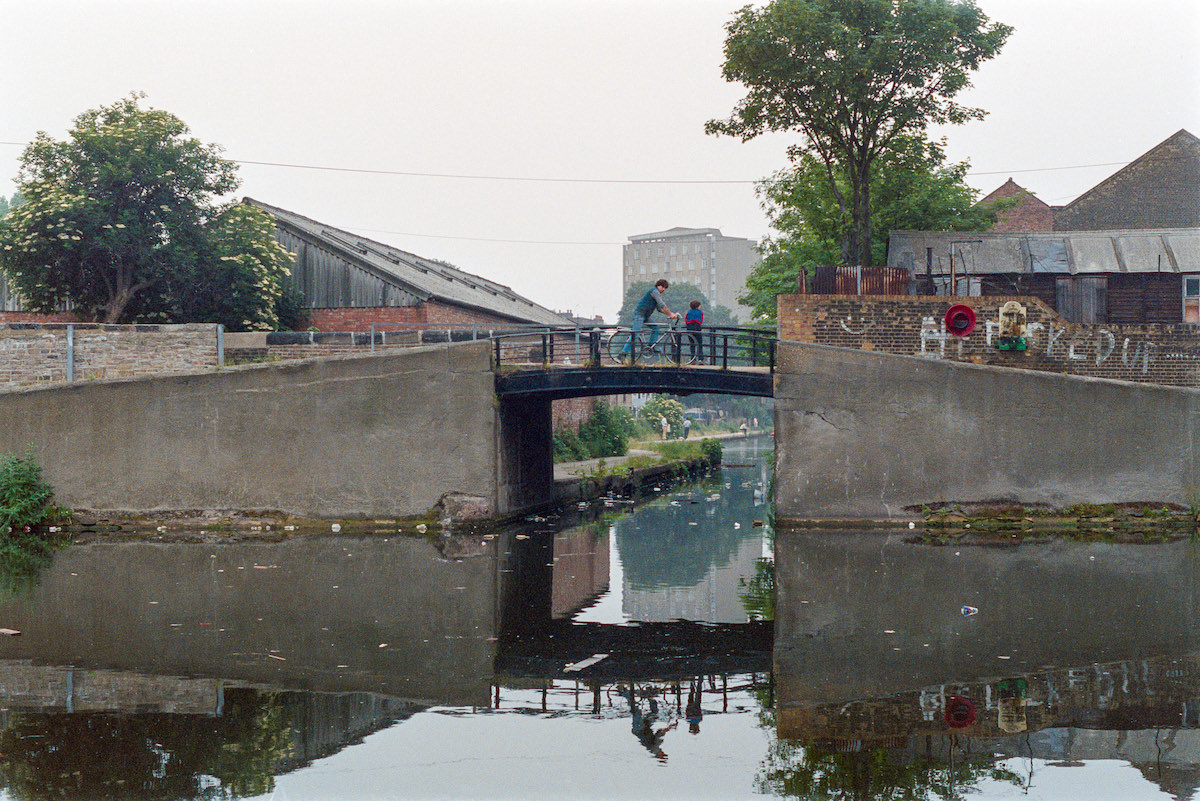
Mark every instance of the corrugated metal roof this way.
pixel 1173 250
pixel 425 278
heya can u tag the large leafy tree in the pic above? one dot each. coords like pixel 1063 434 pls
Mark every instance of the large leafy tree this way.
pixel 123 221
pixel 852 77
pixel 678 297
pixel 912 188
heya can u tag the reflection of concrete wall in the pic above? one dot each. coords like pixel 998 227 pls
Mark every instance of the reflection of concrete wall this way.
pixel 24 686
pixel 866 615
pixel 580 568
pixel 332 614
pixel 714 599
pixel 862 434
pixel 378 435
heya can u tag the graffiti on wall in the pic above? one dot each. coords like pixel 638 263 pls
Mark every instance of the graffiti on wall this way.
pixel 1055 342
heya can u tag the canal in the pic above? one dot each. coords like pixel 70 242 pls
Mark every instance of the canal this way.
pixel 676 647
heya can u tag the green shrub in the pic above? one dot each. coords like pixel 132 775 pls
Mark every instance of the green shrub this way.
pixel 568 447
pixel 602 433
pixel 25 500
pixel 712 450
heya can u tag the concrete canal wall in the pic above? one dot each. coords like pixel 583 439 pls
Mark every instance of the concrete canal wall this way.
pixel 381 435
pixel 861 434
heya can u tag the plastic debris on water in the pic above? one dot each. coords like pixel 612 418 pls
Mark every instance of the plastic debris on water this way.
pixel 969 611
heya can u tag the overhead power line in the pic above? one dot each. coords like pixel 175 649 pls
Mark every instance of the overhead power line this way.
pixel 481 239
pixel 531 179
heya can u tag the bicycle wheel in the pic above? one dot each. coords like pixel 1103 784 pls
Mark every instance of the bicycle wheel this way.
pixel 656 353
pixel 620 349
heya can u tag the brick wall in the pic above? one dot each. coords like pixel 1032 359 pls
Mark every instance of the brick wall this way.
pixel 570 413
pixel 427 313
pixel 913 326
pixel 35 317
pixel 36 353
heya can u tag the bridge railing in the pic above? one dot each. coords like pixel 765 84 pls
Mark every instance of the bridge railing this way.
pixel 721 347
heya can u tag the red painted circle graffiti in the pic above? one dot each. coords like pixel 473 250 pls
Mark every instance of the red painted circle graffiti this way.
pixel 960 320
pixel 960 712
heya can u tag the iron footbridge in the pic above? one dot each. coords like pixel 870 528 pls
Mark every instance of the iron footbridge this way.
pixel 574 362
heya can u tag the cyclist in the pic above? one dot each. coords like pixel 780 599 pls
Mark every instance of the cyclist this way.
pixel 651 302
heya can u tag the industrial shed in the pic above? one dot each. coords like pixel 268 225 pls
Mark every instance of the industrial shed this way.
pixel 1118 277
pixel 350 282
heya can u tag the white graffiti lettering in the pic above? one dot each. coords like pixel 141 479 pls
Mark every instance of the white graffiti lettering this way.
pixel 931 331
pixel 1106 343
pixel 846 327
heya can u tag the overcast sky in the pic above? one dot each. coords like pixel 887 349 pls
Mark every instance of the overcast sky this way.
pixel 559 129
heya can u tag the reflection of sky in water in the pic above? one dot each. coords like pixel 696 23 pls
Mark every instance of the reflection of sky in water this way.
pixel 683 555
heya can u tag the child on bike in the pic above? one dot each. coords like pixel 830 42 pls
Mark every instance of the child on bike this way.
pixel 694 319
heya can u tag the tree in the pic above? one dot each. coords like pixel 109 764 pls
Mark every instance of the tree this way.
pixel 683 293
pixel 851 77
pixel 8 204
pixel 123 222
pixel 661 406
pixel 912 188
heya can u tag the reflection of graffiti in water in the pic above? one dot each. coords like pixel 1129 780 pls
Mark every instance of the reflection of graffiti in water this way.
pixel 1144 711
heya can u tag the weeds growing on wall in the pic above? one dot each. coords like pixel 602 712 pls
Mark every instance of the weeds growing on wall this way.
pixel 27 542
pixel 26 501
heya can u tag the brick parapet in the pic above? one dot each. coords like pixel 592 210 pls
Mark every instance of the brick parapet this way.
pixel 36 353
pixel 914 326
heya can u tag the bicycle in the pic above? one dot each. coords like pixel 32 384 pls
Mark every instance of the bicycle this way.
pixel 650 347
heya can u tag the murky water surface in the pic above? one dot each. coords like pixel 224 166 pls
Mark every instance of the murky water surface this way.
pixel 673 650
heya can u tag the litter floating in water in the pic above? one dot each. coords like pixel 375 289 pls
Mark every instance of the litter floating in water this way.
pixel 422 528
pixel 969 611
pixel 10 632
pixel 583 663
pixel 758 524
pixel 912 525
pixel 737 525
pixel 336 527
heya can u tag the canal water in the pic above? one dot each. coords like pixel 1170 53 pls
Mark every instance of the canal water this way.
pixel 675 647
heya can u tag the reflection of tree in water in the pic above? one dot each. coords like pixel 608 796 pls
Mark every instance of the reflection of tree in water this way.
pixel 24 556
pixel 758 591
pixel 793 770
pixel 148 756
pixel 659 549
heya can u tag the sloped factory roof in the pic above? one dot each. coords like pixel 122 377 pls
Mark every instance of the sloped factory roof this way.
pixel 425 278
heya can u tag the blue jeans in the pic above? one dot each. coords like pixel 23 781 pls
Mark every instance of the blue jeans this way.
pixel 638 323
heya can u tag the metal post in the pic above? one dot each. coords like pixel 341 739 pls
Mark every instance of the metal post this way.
pixel 70 353
pixel 220 345
pixel 373 337
pixel 725 351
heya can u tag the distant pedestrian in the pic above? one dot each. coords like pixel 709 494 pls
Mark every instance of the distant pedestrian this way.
pixel 687 427
pixel 666 427
pixel 743 428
